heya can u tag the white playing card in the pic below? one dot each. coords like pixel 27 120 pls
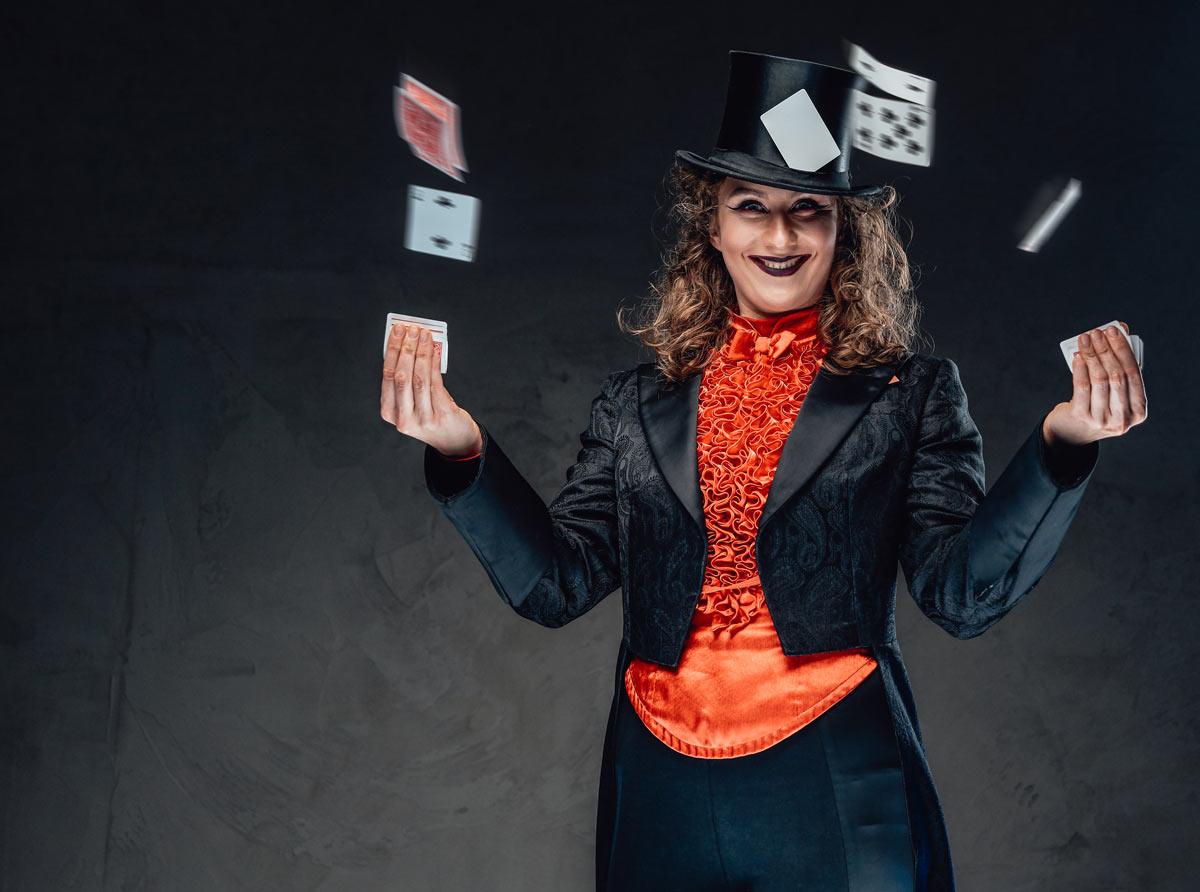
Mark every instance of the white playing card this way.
pixel 907 86
pixel 441 223
pixel 1070 345
pixel 1051 217
pixel 437 331
pixel 889 128
pixel 800 134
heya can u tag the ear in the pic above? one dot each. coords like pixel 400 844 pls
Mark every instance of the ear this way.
pixel 714 232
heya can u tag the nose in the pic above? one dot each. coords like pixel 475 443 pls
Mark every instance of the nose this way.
pixel 779 237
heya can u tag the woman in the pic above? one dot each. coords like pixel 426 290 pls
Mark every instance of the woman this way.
pixel 751 493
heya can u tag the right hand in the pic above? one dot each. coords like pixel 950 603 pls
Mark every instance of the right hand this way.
pixel 416 402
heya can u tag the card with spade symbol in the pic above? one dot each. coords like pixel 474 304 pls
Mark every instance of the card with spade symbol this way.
pixel 892 129
pixel 441 223
pixel 901 84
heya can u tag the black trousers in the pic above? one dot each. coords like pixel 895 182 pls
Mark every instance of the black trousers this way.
pixel 823 809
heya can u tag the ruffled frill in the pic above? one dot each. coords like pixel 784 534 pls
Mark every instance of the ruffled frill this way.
pixel 749 397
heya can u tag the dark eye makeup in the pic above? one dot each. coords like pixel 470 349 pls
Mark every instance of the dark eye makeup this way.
pixel 750 205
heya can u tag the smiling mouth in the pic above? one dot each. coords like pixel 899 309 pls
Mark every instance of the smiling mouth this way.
pixel 780 266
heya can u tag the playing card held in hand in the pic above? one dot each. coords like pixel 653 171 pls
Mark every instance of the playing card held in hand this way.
pixel 437 332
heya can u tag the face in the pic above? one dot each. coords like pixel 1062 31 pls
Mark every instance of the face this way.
pixel 778 245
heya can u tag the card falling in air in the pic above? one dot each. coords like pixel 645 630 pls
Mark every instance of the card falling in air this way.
pixel 429 123
pixel 800 134
pixel 441 223
pixel 1045 225
pixel 905 85
pixel 889 128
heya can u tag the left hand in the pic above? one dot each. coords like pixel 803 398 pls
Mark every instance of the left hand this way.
pixel 1109 397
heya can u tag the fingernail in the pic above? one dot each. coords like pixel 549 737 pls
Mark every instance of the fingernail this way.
pixel 1084 340
pixel 424 336
pixel 1112 331
pixel 412 332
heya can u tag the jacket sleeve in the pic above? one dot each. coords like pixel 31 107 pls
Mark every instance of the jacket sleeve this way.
pixel 550 564
pixel 969 558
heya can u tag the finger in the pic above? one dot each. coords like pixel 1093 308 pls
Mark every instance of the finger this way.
pixel 392 352
pixel 420 385
pixel 1081 382
pixel 1135 387
pixel 1097 381
pixel 387 395
pixel 439 397
pixel 403 375
pixel 1118 398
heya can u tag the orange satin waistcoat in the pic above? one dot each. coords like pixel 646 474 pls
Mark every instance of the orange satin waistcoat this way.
pixel 734 691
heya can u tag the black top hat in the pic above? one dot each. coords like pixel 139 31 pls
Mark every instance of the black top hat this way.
pixel 746 149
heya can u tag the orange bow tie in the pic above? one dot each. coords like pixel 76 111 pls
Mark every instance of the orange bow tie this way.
pixel 744 345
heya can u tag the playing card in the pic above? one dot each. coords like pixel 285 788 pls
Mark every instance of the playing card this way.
pixel 907 86
pixel 426 132
pixel 799 133
pixel 444 109
pixel 442 223
pixel 1070 345
pixel 437 331
pixel 889 128
pixel 1045 225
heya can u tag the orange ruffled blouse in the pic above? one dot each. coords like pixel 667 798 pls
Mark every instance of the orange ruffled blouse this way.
pixel 734 691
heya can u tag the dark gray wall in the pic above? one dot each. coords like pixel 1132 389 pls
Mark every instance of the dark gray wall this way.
pixel 241 648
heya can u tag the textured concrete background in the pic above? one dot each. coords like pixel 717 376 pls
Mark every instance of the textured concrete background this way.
pixel 240 647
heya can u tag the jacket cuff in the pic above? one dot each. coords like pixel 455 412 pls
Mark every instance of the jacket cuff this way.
pixel 447 478
pixel 1067 464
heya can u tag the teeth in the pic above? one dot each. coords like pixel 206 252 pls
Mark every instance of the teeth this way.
pixel 785 265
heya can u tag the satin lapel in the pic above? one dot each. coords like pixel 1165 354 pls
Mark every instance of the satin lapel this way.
pixel 669 419
pixel 832 406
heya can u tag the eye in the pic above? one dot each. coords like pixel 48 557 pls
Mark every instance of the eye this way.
pixel 749 205
pixel 808 204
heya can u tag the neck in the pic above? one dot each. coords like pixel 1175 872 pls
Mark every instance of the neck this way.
pixel 800 321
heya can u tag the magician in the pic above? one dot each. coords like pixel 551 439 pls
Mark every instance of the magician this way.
pixel 751 493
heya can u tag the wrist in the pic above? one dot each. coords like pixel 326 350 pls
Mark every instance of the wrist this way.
pixel 473 451
pixel 1047 436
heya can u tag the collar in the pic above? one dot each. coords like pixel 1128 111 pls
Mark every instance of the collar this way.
pixel 772 335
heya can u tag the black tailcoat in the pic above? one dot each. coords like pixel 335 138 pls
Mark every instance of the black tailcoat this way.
pixel 873 473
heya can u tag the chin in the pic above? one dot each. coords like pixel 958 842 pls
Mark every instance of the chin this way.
pixel 779 306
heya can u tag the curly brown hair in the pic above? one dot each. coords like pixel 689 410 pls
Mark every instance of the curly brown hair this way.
pixel 868 314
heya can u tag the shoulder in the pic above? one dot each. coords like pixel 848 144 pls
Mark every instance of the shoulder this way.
pixel 921 366
pixel 926 384
pixel 627 383
pixel 618 390
pixel 620 382
pixel 928 371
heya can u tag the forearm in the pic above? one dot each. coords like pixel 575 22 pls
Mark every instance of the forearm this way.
pixel 1001 554
pixel 501 517
pixel 552 563
pixel 970 556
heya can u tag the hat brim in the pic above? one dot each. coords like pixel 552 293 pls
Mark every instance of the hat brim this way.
pixel 752 170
